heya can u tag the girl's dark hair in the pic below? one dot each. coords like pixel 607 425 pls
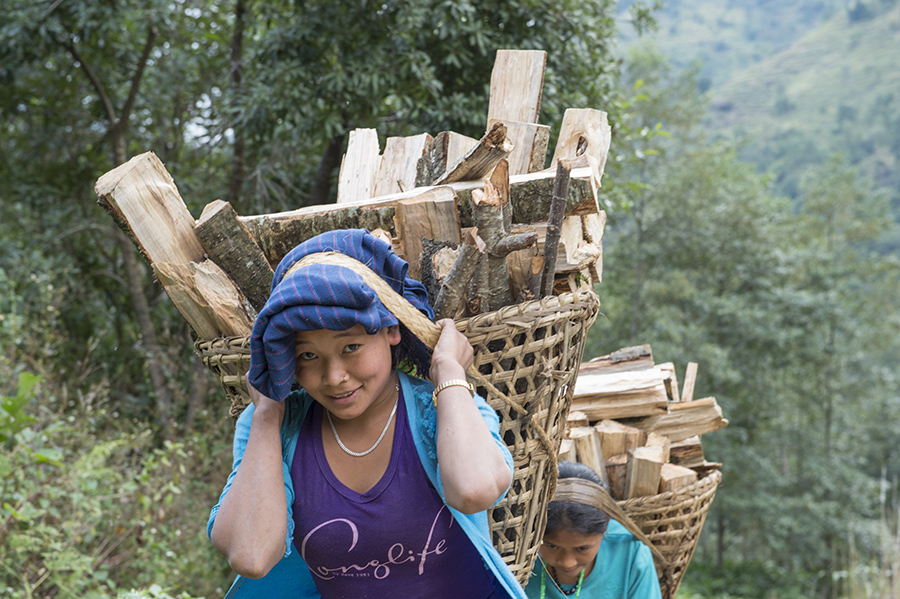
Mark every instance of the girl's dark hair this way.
pixel 411 355
pixel 578 517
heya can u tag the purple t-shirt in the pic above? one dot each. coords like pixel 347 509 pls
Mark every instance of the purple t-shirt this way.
pixel 398 539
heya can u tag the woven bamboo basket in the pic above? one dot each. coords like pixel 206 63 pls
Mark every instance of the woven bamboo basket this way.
pixel 672 523
pixel 669 523
pixel 526 360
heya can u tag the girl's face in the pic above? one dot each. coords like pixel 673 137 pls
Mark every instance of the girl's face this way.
pixel 568 552
pixel 347 371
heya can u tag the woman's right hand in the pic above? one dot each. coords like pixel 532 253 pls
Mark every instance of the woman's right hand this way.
pixel 263 404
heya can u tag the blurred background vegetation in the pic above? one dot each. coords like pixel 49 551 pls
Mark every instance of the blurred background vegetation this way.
pixel 753 194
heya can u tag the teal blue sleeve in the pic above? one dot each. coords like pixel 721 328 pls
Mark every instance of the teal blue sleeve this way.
pixel 241 435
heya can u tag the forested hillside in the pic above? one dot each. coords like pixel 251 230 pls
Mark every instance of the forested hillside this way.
pixel 796 82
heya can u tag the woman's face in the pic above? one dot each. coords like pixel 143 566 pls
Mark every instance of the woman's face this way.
pixel 568 552
pixel 347 371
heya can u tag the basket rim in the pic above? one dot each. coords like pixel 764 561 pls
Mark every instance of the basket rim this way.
pixel 697 489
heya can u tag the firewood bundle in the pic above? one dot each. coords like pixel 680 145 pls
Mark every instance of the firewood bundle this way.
pixel 482 222
pixel 633 426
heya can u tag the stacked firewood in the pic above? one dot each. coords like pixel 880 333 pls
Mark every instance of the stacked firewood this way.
pixel 482 222
pixel 631 423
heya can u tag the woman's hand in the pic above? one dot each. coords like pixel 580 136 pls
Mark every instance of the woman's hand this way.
pixel 265 405
pixel 452 354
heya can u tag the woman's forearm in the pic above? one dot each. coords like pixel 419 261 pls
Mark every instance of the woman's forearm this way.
pixel 251 525
pixel 473 469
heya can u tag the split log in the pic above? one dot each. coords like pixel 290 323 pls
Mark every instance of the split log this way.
pixel 684 419
pixel 620 394
pixel 587 448
pixel 673 478
pixel 660 441
pixel 517 81
pixel 207 299
pixel 567 451
pixel 574 253
pixel 593 227
pixel 405 165
pixel 572 282
pixel 530 142
pixel 448 148
pixel 437 260
pixel 142 199
pixel 431 215
pixel 617 438
pixel 638 357
pixel 576 419
pixel 690 378
pixel 453 289
pixel 617 473
pixel 480 160
pixel 584 140
pixel 359 166
pixel 644 466
pixel 687 452
pixel 523 282
pixel 228 243
pixel 670 381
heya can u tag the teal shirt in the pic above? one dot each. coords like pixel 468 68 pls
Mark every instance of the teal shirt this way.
pixel 623 569
pixel 290 577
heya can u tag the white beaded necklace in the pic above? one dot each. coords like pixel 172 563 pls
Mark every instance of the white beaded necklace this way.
pixel 377 443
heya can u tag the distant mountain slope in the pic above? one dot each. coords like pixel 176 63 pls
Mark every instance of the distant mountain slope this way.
pixel 835 74
pixel 726 36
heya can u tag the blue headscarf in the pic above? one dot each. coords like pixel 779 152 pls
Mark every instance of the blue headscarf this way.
pixel 326 296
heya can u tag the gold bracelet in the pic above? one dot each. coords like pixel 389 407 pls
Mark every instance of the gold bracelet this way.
pixel 452 383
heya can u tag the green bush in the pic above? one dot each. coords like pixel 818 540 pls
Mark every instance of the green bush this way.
pixel 91 507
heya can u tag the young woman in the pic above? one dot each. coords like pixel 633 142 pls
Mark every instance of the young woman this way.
pixel 351 478
pixel 585 555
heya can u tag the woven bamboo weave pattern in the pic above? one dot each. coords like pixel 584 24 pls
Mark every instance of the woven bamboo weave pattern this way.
pixel 673 521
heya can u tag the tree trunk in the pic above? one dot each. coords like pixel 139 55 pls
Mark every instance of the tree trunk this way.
pixel 331 160
pixel 238 160
pixel 118 126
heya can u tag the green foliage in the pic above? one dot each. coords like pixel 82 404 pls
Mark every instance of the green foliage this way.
pixel 12 409
pixel 794 320
pixel 404 68
pixel 742 580
pixel 87 509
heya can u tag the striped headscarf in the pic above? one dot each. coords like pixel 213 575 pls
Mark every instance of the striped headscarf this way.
pixel 326 296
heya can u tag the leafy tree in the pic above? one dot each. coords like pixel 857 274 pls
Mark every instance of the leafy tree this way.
pixel 325 68
pixel 92 62
pixel 792 317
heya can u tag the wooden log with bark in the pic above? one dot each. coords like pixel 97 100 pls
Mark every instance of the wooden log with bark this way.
pixel 278 233
pixel 228 243
pixel 143 200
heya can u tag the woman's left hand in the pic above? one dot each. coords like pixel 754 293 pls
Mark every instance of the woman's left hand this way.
pixel 452 354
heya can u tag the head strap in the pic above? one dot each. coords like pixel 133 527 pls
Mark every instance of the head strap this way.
pixel 585 492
